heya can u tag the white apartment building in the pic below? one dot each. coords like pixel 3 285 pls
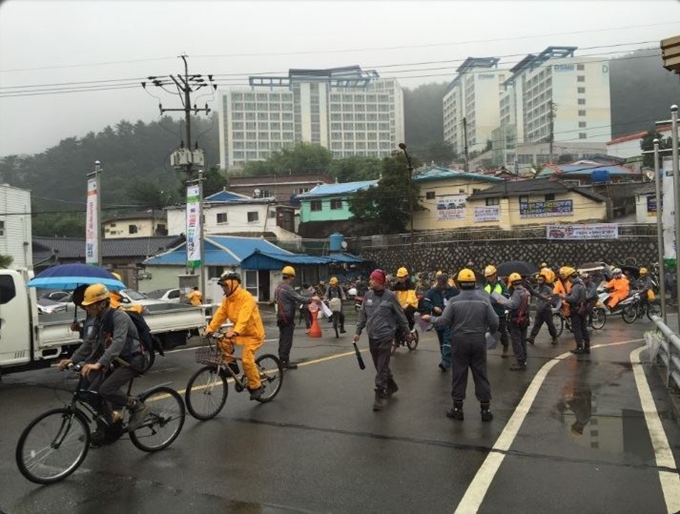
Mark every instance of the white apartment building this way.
pixel 555 95
pixel 473 96
pixel 16 238
pixel 347 110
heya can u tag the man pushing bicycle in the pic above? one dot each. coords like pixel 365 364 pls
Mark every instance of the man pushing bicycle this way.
pixel 240 307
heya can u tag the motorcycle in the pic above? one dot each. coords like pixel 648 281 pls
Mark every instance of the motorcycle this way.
pixel 628 308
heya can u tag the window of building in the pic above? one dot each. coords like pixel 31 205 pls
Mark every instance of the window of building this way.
pixel 581 124
pixel 253 216
pixel 492 201
pixel 581 91
pixel 2 228
pixel 429 195
pixel 523 198
pixel 221 217
pixel 336 203
pixel 549 197
pixel 580 67
pixel 582 135
pixel 580 78
pixel 582 113
pixel 315 205
pixel 581 101
pixel 132 229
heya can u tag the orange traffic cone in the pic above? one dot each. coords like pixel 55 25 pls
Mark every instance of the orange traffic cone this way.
pixel 315 331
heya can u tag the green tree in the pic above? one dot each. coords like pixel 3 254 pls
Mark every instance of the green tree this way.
pixel 647 144
pixel 438 152
pixel 387 204
pixel 6 261
pixel 301 159
pixel 352 169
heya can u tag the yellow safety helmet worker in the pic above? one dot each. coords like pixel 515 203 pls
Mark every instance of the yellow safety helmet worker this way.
pixel 402 272
pixel 566 272
pixel 333 281
pixel 643 271
pixel 514 277
pixel 490 271
pixel 95 293
pixel 466 276
pixel 288 271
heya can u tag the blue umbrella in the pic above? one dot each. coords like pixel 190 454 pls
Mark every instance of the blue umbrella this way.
pixel 70 276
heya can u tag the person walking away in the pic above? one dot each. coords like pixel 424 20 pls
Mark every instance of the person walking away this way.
pixel 381 315
pixel 645 286
pixel 435 300
pixel 335 295
pixel 195 297
pixel 518 320
pixel 619 287
pixel 112 358
pixel 240 307
pixel 543 295
pixel 287 301
pixel 577 306
pixel 469 316
pixel 405 290
pixel 493 285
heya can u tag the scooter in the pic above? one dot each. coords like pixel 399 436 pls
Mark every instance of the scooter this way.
pixel 627 308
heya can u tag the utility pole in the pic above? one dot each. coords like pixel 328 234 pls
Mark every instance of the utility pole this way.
pixel 676 195
pixel 659 231
pixel 185 158
pixel 410 199
pixel 551 136
pixel 465 145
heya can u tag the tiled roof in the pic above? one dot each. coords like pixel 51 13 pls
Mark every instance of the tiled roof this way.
pixel 73 248
pixel 140 215
pixel 526 187
pixel 337 189
pixel 637 135
pixel 437 173
pixel 225 197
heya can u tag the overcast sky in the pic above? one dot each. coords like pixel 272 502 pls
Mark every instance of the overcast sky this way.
pixel 43 43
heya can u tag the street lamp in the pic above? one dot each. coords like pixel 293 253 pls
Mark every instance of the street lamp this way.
pixel 410 196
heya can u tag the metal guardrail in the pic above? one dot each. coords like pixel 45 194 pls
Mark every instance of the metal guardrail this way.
pixel 669 352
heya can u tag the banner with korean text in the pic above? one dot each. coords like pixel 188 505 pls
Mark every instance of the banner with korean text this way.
pixel 451 207
pixel 668 211
pixel 546 209
pixel 583 232
pixel 92 223
pixel 487 213
pixel 193 228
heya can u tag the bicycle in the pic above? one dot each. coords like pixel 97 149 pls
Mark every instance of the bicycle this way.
pixel 599 319
pixel 207 389
pixel 55 444
pixel 400 340
pixel 635 310
pixel 335 304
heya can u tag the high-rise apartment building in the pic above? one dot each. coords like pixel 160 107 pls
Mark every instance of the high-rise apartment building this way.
pixel 347 110
pixel 472 103
pixel 556 97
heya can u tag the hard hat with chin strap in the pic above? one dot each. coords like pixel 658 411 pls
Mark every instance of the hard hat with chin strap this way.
pixel 514 277
pixel 490 271
pixel 95 293
pixel 288 271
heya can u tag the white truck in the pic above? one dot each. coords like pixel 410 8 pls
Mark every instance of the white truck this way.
pixel 31 341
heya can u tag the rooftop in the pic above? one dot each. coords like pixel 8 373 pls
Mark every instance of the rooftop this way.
pixel 343 188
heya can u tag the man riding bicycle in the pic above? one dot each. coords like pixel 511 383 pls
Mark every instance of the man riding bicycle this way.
pixel 240 307
pixel 405 290
pixel 112 359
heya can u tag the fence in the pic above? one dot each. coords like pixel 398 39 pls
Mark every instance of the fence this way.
pixel 669 353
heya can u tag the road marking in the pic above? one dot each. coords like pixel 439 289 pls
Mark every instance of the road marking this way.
pixel 670 481
pixel 474 495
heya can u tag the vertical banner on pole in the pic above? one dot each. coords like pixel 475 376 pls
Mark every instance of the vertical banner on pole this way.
pixel 668 212
pixel 193 228
pixel 92 223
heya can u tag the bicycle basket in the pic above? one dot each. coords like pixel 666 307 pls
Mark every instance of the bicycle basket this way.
pixel 208 355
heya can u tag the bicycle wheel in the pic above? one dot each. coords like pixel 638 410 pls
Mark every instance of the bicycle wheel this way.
pixel 413 344
pixel 653 309
pixel 164 422
pixel 558 321
pixel 630 313
pixel 206 393
pixel 271 375
pixel 335 324
pixel 53 446
pixel 599 318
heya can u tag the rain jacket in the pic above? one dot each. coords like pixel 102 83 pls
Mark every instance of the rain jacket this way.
pixel 195 297
pixel 621 290
pixel 500 288
pixel 563 287
pixel 380 314
pixel 646 286
pixel 406 293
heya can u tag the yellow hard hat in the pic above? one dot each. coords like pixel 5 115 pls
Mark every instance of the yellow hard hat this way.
pixel 489 270
pixel 333 281
pixel 466 275
pixel 288 271
pixel 643 271
pixel 514 277
pixel 402 272
pixel 566 272
pixel 96 293
pixel 438 273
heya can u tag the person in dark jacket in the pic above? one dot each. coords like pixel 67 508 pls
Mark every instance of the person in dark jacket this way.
pixel 470 316
pixel 591 296
pixel 287 301
pixel 435 300
pixel 518 320
pixel 543 295
pixel 381 315
pixel 577 308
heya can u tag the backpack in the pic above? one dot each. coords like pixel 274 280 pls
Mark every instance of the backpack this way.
pixel 146 339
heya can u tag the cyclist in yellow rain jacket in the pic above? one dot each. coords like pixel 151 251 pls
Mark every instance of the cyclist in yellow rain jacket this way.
pixel 240 307
pixel 406 295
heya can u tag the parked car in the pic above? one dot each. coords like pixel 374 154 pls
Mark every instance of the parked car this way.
pixel 57 296
pixel 172 295
pixel 130 296
pixel 47 306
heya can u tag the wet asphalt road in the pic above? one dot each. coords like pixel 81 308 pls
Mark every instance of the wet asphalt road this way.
pixel 583 444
